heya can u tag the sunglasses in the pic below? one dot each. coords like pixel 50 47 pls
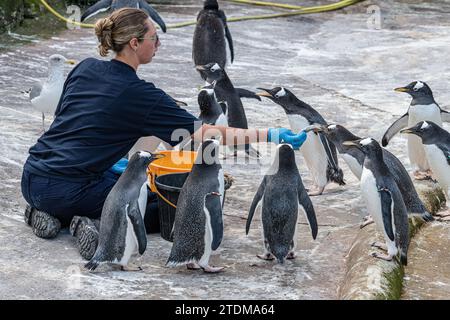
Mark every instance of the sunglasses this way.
pixel 154 38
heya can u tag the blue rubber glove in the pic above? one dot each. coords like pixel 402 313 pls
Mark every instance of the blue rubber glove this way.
pixel 120 166
pixel 283 135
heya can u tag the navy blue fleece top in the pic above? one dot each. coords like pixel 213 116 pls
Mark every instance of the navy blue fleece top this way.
pixel 104 109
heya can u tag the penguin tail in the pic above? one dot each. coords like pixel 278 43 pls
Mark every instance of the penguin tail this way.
pixel 280 260
pixel 92 265
pixel 426 216
pixel 403 258
pixel 336 175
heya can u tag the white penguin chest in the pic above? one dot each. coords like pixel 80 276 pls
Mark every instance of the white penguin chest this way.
pixel 430 112
pixel 222 120
pixel 439 165
pixel 312 150
pixel 353 164
pixel 371 196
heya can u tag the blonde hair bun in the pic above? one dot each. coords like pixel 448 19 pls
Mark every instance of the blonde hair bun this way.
pixel 103 31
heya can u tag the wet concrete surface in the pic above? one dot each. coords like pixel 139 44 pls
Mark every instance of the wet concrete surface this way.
pixel 335 61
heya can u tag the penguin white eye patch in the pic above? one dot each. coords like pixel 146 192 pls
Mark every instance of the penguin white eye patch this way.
pixel 366 141
pixel 215 67
pixel 280 93
pixel 424 125
pixel 419 85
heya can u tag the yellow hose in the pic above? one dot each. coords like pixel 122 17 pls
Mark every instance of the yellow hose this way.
pixel 54 12
pixel 298 11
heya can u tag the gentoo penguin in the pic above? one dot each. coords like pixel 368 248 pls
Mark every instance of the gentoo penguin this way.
pixel 212 38
pixel 45 96
pixel 122 231
pixel 211 111
pixel 422 108
pixel 354 158
pixel 282 192
pixel 105 5
pixel 198 227
pixel 436 142
pixel 225 91
pixel 319 153
pixel 384 200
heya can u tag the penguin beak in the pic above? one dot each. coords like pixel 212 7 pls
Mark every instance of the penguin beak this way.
pixel 215 194
pixel 265 93
pixel 401 89
pixel 408 130
pixel 354 143
pixel 71 62
pixel 316 128
pixel 200 68
pixel 158 156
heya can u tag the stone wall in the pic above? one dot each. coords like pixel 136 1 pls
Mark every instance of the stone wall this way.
pixel 11 13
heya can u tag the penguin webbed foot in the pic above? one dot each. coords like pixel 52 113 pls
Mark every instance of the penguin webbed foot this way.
pixel 291 255
pixel 209 269
pixel 385 257
pixel 316 191
pixel 193 266
pixel 131 267
pixel 379 245
pixel 366 221
pixel 266 256
pixel 422 175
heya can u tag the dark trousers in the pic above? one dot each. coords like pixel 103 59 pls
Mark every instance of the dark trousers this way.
pixel 66 199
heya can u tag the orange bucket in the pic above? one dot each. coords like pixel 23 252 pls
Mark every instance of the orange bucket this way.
pixel 175 161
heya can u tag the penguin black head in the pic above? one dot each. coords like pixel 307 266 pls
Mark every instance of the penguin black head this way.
pixel 212 71
pixel 281 96
pixel 206 98
pixel 338 134
pixel 211 5
pixel 141 159
pixel 427 130
pixel 286 155
pixel 417 89
pixel 369 146
pixel 208 152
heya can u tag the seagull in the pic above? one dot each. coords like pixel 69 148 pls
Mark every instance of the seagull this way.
pixel 45 96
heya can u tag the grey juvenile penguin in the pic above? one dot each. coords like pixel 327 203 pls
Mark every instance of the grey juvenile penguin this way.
pixel 384 201
pixel 354 158
pixel 122 231
pixel 436 142
pixel 423 107
pixel 198 227
pixel 282 192
pixel 105 5
pixel 212 38
pixel 225 91
pixel 319 153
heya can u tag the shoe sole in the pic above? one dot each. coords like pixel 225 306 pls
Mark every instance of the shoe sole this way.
pixel 44 225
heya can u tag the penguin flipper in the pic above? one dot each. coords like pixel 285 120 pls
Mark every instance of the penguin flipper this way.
pixel 101 6
pixel 135 216
pixel 305 202
pixel 256 199
pixel 244 93
pixel 386 209
pixel 334 172
pixel 153 14
pixel 214 206
pixel 445 116
pixel 227 34
pixel 398 124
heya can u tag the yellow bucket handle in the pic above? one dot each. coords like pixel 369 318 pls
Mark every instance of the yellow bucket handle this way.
pixel 155 189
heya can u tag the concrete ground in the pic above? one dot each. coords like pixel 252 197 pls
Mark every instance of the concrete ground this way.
pixel 344 63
